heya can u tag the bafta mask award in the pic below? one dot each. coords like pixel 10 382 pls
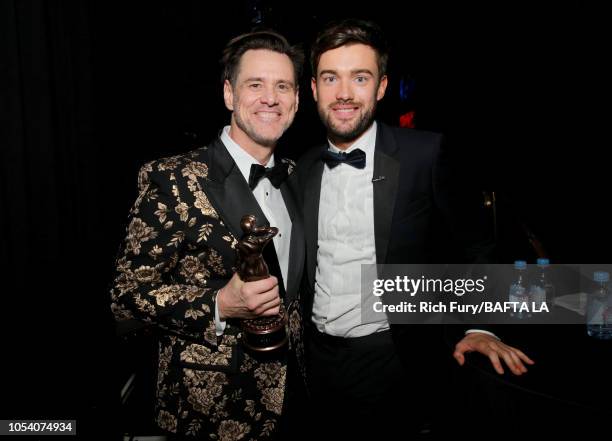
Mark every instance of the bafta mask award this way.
pixel 262 334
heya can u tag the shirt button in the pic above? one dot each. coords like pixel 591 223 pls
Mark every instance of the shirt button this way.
pixel 266 193
pixel 280 234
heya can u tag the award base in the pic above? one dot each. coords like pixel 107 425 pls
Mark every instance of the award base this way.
pixel 265 334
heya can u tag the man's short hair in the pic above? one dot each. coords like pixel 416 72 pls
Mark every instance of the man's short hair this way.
pixel 260 39
pixel 346 32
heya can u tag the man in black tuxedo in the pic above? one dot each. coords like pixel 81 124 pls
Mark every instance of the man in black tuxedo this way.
pixel 371 194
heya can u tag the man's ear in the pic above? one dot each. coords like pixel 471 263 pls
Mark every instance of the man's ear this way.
pixel 313 87
pixel 297 98
pixel 382 87
pixel 228 95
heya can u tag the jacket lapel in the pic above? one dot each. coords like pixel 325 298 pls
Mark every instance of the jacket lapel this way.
pixel 231 196
pixel 296 250
pixel 228 191
pixel 312 194
pixel 385 182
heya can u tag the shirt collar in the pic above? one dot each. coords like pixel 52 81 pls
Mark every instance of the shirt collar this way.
pixel 242 159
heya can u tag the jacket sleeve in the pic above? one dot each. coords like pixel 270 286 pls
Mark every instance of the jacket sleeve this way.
pixel 154 280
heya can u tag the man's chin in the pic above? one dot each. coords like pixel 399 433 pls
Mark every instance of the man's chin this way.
pixel 266 141
pixel 348 133
pixel 267 137
pixel 345 134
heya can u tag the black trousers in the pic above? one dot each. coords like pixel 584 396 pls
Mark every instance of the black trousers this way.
pixel 295 406
pixel 360 389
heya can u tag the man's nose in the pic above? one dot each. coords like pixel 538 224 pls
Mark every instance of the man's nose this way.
pixel 344 91
pixel 269 96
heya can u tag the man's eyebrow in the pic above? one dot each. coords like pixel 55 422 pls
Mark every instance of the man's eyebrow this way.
pixel 327 71
pixel 262 80
pixel 362 71
pixel 353 72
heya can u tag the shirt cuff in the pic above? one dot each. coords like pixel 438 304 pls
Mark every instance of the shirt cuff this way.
pixel 482 331
pixel 219 324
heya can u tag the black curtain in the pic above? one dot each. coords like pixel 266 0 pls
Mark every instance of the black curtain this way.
pixel 56 324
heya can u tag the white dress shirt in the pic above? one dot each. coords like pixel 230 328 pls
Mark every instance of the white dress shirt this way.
pixel 270 201
pixel 345 242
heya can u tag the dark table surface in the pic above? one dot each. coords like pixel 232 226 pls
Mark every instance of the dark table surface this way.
pixel 568 389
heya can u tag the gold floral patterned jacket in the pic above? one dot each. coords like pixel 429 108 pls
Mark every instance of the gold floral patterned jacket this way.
pixel 178 252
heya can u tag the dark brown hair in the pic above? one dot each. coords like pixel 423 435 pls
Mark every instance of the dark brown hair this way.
pixel 260 39
pixel 350 31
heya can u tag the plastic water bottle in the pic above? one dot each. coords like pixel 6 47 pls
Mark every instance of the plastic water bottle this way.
pixel 541 290
pixel 518 290
pixel 599 308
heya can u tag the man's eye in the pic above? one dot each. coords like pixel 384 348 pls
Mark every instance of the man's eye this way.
pixel 255 85
pixel 361 79
pixel 329 79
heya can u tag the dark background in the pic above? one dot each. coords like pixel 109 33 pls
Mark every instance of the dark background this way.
pixel 92 90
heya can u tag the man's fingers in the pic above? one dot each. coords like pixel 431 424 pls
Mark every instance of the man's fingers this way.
pixel 248 299
pixel 259 286
pixel 272 311
pixel 265 307
pixel 517 361
pixel 495 351
pixel 261 297
pixel 264 284
pixel 523 357
pixel 459 357
pixel 463 347
pixel 495 362
pixel 255 301
pixel 511 362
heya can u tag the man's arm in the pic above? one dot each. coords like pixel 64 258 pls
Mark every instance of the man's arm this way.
pixel 467 220
pixel 156 282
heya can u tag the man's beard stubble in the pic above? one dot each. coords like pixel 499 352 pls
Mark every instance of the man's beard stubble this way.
pixel 266 142
pixel 338 136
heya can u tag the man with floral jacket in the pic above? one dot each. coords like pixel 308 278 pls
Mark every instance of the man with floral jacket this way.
pixel 176 268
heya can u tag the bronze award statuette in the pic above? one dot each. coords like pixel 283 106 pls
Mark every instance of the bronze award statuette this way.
pixel 262 334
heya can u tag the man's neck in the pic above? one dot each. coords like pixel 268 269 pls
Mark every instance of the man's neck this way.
pixel 257 151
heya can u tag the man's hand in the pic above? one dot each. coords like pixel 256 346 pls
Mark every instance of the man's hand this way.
pixel 248 300
pixel 494 349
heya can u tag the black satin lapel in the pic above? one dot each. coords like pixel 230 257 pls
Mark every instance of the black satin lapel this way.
pixel 296 250
pixel 271 258
pixel 312 194
pixel 386 180
pixel 232 198
pixel 228 191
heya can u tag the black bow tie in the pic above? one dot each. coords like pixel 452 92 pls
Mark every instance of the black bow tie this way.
pixel 357 158
pixel 276 174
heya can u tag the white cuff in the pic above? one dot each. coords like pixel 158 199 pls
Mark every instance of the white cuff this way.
pixel 219 324
pixel 482 331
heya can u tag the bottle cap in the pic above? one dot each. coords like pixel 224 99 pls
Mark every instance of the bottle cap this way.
pixel 601 276
pixel 520 264
pixel 543 261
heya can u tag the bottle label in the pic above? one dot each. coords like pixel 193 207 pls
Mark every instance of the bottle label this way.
pixel 538 294
pixel 597 312
pixel 518 294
